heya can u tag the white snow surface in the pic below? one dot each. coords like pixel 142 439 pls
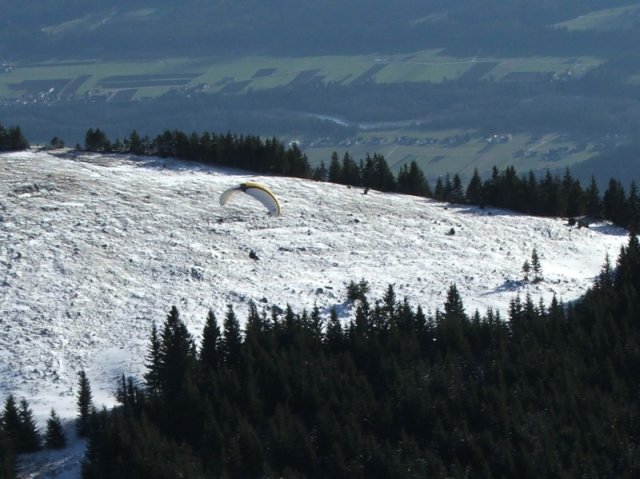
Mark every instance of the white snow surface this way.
pixel 95 248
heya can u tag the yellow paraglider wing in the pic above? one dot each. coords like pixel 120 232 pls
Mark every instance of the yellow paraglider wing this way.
pixel 256 190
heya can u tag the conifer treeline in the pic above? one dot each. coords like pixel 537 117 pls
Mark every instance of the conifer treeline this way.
pixel 247 152
pixel 550 195
pixel 19 434
pixel 12 139
pixel 395 393
pixel 546 196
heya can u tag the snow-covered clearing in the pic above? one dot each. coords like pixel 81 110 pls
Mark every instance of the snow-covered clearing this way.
pixel 93 249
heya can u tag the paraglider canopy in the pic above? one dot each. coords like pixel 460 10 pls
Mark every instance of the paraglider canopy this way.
pixel 256 190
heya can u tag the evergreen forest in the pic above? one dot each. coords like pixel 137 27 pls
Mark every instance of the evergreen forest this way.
pixel 549 391
pixel 12 139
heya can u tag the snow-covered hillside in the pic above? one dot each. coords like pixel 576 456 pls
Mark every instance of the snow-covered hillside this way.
pixel 93 249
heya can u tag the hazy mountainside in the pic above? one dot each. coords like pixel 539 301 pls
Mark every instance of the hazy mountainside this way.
pixel 94 249
pixel 86 29
pixel 315 72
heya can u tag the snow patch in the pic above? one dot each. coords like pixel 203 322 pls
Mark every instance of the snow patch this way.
pixel 96 248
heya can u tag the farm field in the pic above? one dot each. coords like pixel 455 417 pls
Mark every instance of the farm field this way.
pixel 459 151
pixel 66 80
pixel 607 19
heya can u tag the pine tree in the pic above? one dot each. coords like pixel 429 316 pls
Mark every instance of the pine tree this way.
pixel 614 202
pixel 350 171
pixel 526 269
pixel 12 139
pixel 316 322
pixel 361 325
pixel 551 200
pixel 30 440
pixel 85 405
pixel 574 196
pixel 19 427
pixel 439 191
pixel 335 170
pixel 210 356
pixel 177 354
pixel 256 324
pixel 321 173
pixel 11 422
pixel 390 303
pixel 367 172
pixel 593 202
pixel 55 436
pixel 231 337
pixel 536 267
pixel 474 189
pixel 453 307
pixel 357 291
pixel 457 192
pixel 419 183
pixel 447 189
pixel 531 197
pixel 334 334
pixel 135 144
pixel 96 140
pixel 383 179
pixel 56 143
pixel 632 210
pixel 152 376
pixel 17 140
pixel 411 180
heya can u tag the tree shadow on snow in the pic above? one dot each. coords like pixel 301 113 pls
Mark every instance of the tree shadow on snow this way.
pixel 508 286
pixel 478 211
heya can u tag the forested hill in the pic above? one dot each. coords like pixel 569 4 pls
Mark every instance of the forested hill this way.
pixel 113 28
pixel 97 247
pixel 393 394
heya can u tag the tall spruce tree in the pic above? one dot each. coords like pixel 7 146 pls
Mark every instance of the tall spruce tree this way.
pixel 526 270
pixel 152 376
pixel 84 402
pixel 453 307
pixel 17 140
pixel 613 202
pixel 593 201
pixel 19 427
pixel 321 173
pixel 177 354
pixel 231 337
pixel 29 435
pixel 536 267
pixel 335 169
pixel 55 437
pixel 632 210
pixel 350 171
pixel 210 354
pixel 457 191
pixel 390 303
pixel 12 139
pixel 334 335
pixel 135 143
pixel 474 189
pixel 11 422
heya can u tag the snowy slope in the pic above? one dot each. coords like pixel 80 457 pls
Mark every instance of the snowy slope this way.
pixel 93 249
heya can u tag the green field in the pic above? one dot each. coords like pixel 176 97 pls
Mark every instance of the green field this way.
pixel 577 66
pixel 437 152
pixel 608 19
pixel 263 72
pixel 459 151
